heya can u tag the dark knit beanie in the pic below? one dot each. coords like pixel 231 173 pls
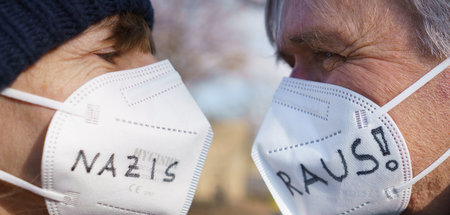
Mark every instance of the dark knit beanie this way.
pixel 31 28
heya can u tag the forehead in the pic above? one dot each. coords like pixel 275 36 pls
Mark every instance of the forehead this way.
pixel 345 18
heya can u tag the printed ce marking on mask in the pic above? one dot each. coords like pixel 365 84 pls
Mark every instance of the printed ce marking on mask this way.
pixel 310 178
pixel 139 189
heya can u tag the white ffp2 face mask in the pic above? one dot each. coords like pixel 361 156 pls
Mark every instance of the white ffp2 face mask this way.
pixel 127 142
pixel 324 149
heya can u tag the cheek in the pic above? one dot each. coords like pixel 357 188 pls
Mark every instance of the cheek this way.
pixel 378 81
pixel 77 75
pixel 56 78
pixel 358 80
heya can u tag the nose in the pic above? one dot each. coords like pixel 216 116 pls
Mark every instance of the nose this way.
pixel 299 73
pixel 304 69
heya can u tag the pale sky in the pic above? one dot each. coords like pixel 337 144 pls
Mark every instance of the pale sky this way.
pixel 249 95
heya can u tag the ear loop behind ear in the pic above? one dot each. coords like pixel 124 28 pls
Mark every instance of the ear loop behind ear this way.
pixel 6 177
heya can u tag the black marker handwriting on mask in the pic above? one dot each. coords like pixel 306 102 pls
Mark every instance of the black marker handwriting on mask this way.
pixel 132 167
pixel 132 170
pixel 82 155
pixel 307 181
pixel 344 164
pixel 312 178
pixel 309 178
pixel 171 175
pixel 287 181
pixel 378 135
pixel 109 166
pixel 364 157
pixel 153 169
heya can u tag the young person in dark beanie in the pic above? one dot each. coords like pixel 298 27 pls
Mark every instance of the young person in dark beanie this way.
pixel 50 52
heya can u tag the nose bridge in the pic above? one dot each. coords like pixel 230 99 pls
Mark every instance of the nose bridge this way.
pixel 134 59
pixel 304 69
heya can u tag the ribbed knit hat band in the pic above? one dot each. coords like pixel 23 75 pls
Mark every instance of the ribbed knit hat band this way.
pixel 31 28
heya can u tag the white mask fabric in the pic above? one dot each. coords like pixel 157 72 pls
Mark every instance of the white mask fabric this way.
pixel 324 149
pixel 126 142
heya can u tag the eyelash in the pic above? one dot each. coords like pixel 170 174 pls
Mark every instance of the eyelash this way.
pixel 326 55
pixel 323 55
pixel 329 60
pixel 109 56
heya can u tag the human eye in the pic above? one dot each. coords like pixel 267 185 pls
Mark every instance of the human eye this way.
pixel 329 60
pixel 108 56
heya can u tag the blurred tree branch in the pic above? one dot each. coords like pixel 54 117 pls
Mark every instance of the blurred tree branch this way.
pixel 198 38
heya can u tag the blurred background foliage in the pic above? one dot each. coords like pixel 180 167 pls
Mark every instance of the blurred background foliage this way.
pixel 222 53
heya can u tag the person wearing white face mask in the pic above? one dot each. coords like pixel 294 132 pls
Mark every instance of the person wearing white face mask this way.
pixel 361 124
pixel 90 121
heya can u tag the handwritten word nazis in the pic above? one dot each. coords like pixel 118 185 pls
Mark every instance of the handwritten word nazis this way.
pixel 132 170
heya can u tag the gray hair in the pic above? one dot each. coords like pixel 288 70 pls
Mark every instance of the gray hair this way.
pixel 431 17
pixel 273 18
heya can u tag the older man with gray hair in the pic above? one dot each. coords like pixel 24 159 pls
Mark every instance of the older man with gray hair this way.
pixel 363 117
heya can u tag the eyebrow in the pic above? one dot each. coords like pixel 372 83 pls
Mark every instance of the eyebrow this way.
pixel 315 38
pixel 318 38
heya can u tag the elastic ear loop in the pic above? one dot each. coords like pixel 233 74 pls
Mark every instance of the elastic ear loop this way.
pixel 397 100
pixel 44 102
pixel 6 177
pixel 413 88
pixel 422 174
pixel 41 101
